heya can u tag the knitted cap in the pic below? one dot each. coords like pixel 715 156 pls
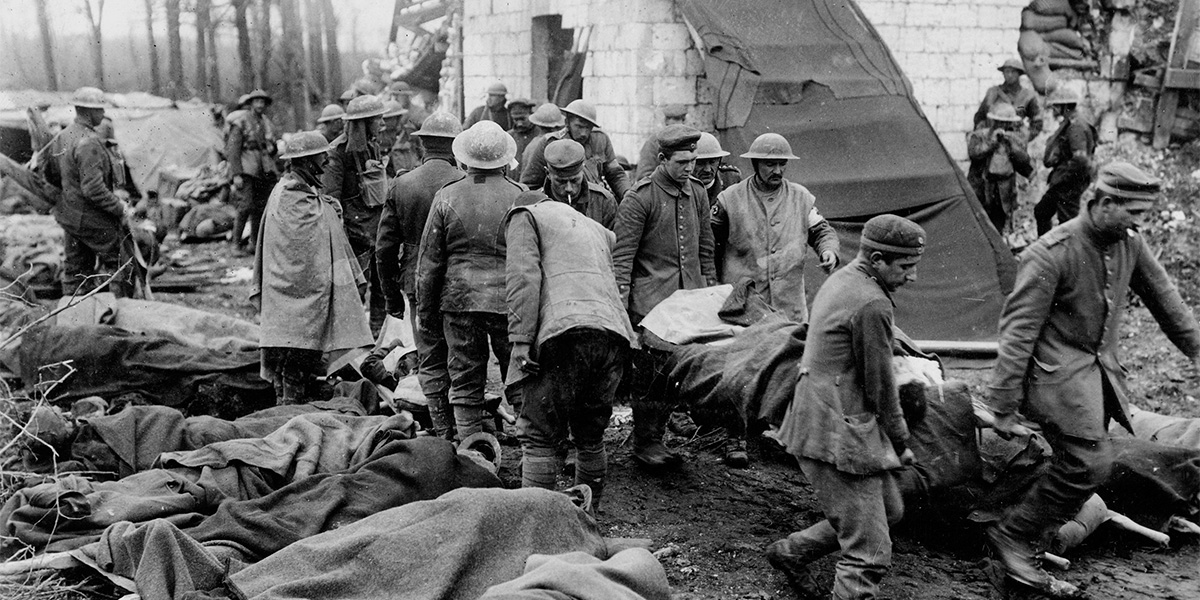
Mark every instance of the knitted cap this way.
pixel 890 233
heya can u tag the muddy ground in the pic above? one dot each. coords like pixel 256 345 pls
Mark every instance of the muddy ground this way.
pixel 714 521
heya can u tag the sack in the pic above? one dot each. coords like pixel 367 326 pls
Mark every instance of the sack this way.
pixel 1032 21
pixel 373 181
pixel 1052 7
pixel 1065 37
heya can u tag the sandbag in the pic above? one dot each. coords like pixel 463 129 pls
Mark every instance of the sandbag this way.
pixel 1052 7
pixel 1058 50
pixel 1032 21
pixel 1066 37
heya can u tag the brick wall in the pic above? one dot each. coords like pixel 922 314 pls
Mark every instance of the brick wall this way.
pixel 949 49
pixel 641 57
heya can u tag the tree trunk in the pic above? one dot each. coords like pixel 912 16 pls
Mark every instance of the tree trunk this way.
pixel 155 74
pixel 293 71
pixel 333 58
pixel 203 15
pixel 313 16
pixel 245 56
pixel 214 65
pixel 175 86
pixel 263 76
pixel 94 20
pixel 47 45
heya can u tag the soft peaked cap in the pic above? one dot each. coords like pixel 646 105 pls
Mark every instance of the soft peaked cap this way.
pixel 897 235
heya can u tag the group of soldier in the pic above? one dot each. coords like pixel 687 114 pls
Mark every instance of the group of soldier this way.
pixel 554 269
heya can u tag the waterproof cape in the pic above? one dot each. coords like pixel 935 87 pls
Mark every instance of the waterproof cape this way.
pixel 817 72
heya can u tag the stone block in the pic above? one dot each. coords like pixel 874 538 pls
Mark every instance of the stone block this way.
pixel 630 35
pixel 955 143
pixel 643 91
pixel 674 90
pixel 944 40
pixel 670 37
pixel 610 37
pixel 661 63
pixel 920 14
pixel 706 93
pixel 960 66
pixel 650 11
pixel 693 63
pixel 476 7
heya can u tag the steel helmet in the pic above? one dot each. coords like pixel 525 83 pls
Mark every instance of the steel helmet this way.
pixel 331 113
pixel 391 108
pixel 400 87
pixel 440 124
pixel 1003 111
pixel 484 146
pixel 246 98
pixel 1063 95
pixel 498 89
pixel 88 97
pixel 547 115
pixel 1012 63
pixel 583 110
pixel 305 143
pixel 770 146
pixel 363 107
pixel 708 147
pixel 526 102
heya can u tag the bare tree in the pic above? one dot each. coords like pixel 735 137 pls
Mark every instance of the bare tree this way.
pixel 95 17
pixel 316 48
pixel 155 74
pixel 214 64
pixel 245 56
pixel 47 45
pixel 333 58
pixel 175 85
pixel 262 77
pixel 293 71
pixel 203 15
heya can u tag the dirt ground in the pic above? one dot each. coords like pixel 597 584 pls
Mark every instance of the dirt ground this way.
pixel 714 522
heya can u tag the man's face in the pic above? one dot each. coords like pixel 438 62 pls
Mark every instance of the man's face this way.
pixel 579 129
pixel 706 170
pixel 770 171
pixel 1063 110
pixel 520 117
pixel 679 165
pixel 1115 216
pixel 1011 76
pixel 334 127
pixel 258 105
pixel 496 101
pixel 565 187
pixel 391 129
pixel 896 273
pixel 313 165
pixel 95 116
pixel 374 127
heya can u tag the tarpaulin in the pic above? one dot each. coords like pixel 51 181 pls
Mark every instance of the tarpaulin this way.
pixel 818 74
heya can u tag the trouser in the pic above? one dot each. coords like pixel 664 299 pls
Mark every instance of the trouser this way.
pixel 999 199
pixel 433 374
pixel 1061 199
pixel 251 202
pixel 468 335
pixel 646 388
pixel 376 303
pixel 859 511
pixel 572 394
pixel 1077 469
pixel 294 373
pixel 91 254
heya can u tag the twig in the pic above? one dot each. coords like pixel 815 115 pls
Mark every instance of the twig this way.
pixel 75 300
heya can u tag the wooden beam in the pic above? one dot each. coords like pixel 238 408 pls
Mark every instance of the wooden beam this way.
pixel 1186 22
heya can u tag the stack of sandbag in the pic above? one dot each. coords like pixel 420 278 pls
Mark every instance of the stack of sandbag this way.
pixel 32 243
pixel 1049 33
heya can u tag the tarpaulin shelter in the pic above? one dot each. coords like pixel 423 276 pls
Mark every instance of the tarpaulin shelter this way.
pixel 154 134
pixel 817 72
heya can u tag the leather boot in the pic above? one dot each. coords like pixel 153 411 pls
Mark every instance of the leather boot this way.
pixel 735 454
pixel 1020 562
pixel 469 420
pixel 795 568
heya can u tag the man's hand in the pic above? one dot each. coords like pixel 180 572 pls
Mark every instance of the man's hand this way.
pixel 1008 426
pixel 238 181
pixel 520 356
pixel 908 458
pixel 829 261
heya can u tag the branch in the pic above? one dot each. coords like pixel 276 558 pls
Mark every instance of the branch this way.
pixel 72 302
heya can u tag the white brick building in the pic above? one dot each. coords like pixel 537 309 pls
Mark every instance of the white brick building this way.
pixel 641 56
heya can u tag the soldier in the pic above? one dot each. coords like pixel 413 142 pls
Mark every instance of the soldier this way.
pixel 664 244
pixel 673 114
pixel 1058 365
pixel 306 278
pixel 845 426
pixel 460 273
pixel 569 334
pixel 1068 154
pixel 406 155
pixel 409 200
pixel 250 150
pixel 711 169
pixel 523 130
pixel 330 123
pixel 997 152
pixel 92 215
pixel 547 118
pixel 601 164
pixel 1024 100
pixel 354 175
pixel 566 183
pixel 493 110
pixel 389 135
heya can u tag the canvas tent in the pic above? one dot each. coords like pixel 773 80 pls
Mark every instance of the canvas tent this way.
pixel 154 134
pixel 817 72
